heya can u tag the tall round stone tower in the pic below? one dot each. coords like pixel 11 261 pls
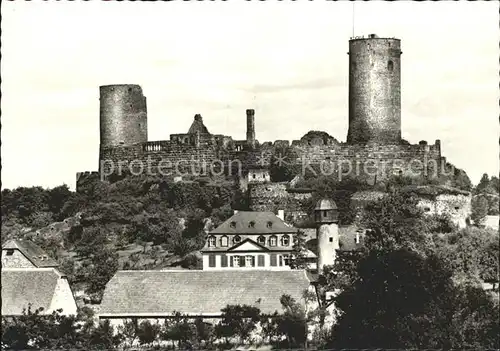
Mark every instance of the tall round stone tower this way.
pixel 374 90
pixel 123 115
pixel 327 232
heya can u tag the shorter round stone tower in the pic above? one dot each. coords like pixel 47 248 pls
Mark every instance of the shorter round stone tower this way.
pixel 123 115
pixel 327 233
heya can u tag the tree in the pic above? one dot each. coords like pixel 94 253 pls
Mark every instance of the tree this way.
pixel 293 322
pixel 483 185
pixel 479 210
pixel 130 330
pixel 401 300
pixel 104 265
pixel 179 329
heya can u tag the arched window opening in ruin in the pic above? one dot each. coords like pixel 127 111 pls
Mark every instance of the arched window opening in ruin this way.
pixel 390 66
pixel 457 207
pixel 427 209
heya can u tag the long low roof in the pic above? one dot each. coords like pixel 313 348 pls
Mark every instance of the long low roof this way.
pixel 197 292
pixel 24 286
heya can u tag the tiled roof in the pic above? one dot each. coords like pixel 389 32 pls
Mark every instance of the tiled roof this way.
pixel 33 252
pixel 21 286
pixel 241 224
pixel 199 292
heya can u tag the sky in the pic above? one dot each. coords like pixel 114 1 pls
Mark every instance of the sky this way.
pixel 286 60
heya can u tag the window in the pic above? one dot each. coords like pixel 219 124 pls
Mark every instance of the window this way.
pixel 10 252
pixel 211 241
pixel 457 207
pixel 233 224
pixel 249 261
pixel 280 260
pixel 260 260
pixel 273 260
pixel 390 66
pixel 223 261
pixel 324 213
pixel 273 240
pixel 356 240
pixel 261 240
pixel 427 209
pixel 251 224
pixel 269 224
pixel 285 240
pixel 236 239
pixel 235 261
pixel 211 260
pixel 223 241
pixel 253 176
pixel 331 239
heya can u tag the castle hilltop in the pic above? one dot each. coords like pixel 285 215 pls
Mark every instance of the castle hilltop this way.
pixel 373 151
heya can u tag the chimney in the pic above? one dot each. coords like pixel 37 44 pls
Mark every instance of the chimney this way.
pixel 251 127
pixel 235 212
pixel 281 215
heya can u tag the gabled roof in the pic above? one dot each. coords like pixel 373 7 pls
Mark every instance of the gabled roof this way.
pixel 197 292
pixel 22 286
pixel 198 126
pixel 241 224
pixel 32 252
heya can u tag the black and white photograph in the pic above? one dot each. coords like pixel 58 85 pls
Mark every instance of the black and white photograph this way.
pixel 250 175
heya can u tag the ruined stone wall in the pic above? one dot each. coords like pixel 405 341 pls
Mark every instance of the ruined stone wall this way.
pixel 203 155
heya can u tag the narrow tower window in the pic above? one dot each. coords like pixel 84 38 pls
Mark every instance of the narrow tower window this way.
pixel 390 66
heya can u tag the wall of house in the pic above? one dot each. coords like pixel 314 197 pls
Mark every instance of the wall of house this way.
pixel 16 260
pixel 63 298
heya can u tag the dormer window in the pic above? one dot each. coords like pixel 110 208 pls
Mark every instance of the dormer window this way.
pixel 273 240
pixel 269 224
pixel 211 241
pixel 251 224
pixel 285 240
pixel 261 240
pixel 224 241
pixel 232 224
pixel 236 239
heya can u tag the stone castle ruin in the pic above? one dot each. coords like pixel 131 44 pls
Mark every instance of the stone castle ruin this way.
pixel 374 149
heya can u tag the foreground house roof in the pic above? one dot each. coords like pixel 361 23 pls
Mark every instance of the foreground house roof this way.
pixel 32 252
pixel 196 292
pixel 40 287
pixel 252 222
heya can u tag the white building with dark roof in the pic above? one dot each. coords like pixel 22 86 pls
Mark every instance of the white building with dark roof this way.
pixel 250 240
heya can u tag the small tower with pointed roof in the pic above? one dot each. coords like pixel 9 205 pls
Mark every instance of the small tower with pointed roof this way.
pixel 327 232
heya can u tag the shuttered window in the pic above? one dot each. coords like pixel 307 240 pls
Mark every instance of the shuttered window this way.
pixel 242 261
pixel 211 261
pixel 260 261
pixel 223 261
pixel 273 260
